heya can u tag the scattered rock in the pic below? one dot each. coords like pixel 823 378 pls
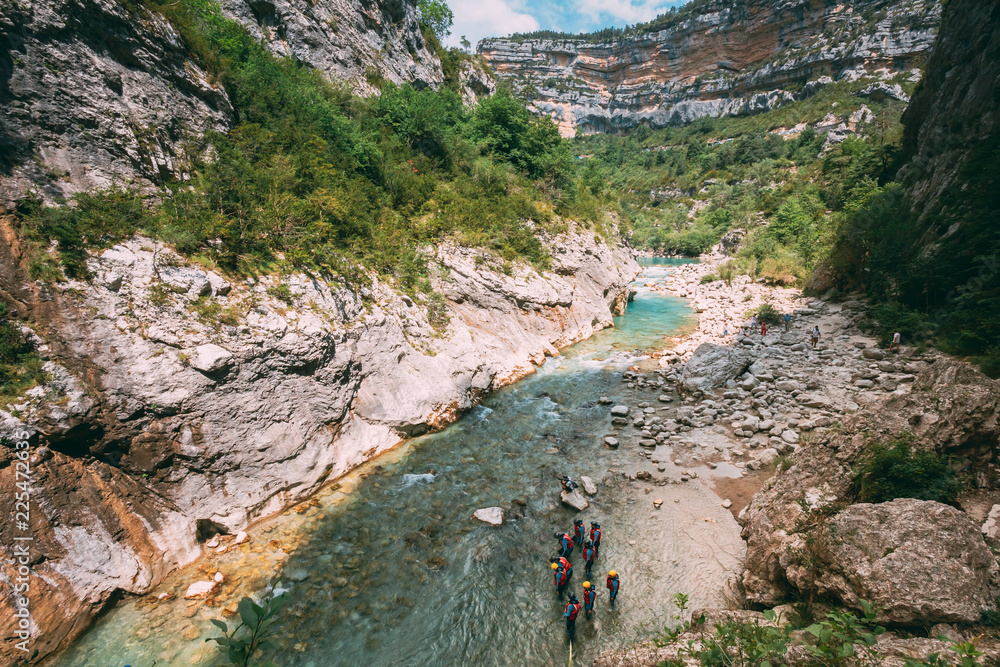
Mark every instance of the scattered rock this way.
pixel 588 485
pixel 200 589
pixel 611 442
pixel 620 411
pixel 991 528
pixel 574 499
pixel 727 503
pixel 490 515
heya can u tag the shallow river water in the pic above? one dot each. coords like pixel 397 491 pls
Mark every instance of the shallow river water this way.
pixel 387 568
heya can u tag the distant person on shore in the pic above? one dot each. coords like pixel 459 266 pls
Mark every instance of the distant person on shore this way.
pixel 565 544
pixel 588 598
pixel 614 584
pixel 753 323
pixel 579 531
pixel 894 345
pixel 725 330
pixel 788 321
pixel 763 328
pixel 563 572
pixel 814 336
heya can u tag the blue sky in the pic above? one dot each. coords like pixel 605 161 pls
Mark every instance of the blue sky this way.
pixel 491 18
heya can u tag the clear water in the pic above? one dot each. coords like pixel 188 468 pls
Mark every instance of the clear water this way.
pixel 390 569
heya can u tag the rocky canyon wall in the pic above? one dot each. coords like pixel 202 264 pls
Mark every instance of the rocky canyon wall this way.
pixel 101 92
pixel 718 59
pixel 165 422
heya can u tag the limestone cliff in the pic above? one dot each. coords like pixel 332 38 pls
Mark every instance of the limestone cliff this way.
pixel 182 405
pixel 713 59
pixel 95 92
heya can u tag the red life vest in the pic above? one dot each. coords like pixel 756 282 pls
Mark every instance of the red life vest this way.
pixel 562 572
pixel 566 542
pixel 572 610
pixel 588 554
pixel 595 535
pixel 588 596
pixel 579 530
pixel 613 584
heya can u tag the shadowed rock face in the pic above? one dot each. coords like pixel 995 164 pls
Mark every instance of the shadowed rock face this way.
pixel 159 428
pixel 732 59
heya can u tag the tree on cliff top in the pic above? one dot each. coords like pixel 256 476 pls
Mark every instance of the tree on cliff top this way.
pixel 437 16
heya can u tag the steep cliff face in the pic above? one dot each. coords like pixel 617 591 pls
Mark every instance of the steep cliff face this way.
pixel 182 405
pixel 731 58
pixel 357 41
pixel 956 108
pixel 95 92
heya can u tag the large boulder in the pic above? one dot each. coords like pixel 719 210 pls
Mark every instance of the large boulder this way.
pixel 790 543
pixel 711 366
pixel 922 562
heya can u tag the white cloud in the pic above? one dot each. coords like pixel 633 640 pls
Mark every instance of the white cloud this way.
pixel 477 19
pixel 627 11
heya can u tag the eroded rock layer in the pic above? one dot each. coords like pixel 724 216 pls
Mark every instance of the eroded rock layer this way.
pixel 729 58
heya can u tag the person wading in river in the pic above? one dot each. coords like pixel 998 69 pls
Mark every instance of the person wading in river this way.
pixel 589 554
pixel 570 612
pixel 588 598
pixel 563 573
pixel 613 586
pixel 579 531
pixel 565 544
pixel 595 537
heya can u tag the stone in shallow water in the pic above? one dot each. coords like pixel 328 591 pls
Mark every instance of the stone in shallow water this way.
pixel 574 499
pixel 588 486
pixel 490 515
pixel 611 442
pixel 200 589
pixel 619 410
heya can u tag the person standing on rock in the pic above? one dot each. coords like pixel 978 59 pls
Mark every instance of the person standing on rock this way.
pixel 589 595
pixel 565 544
pixel 614 585
pixel 571 611
pixel 579 531
pixel 589 554
pixel 563 573
pixel 763 328
pixel 753 323
pixel 814 337
pixel 788 321
pixel 894 345
pixel 595 537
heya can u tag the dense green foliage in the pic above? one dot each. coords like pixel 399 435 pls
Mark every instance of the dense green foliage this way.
pixel 899 469
pixel 313 177
pixel 686 187
pixel 841 638
pixel 437 16
pixel 20 367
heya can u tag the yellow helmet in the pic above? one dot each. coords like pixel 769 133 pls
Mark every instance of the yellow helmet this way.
pixel 612 573
pixel 555 566
pixel 586 584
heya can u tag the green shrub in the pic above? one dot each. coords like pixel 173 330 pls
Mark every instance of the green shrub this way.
pixel 766 312
pixel 899 469
pixel 254 633
pixel 708 278
pixel 20 367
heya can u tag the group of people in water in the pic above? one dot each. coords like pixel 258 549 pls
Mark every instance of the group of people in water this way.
pixel 590 544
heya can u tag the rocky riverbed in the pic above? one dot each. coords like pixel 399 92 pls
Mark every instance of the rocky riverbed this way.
pixel 775 403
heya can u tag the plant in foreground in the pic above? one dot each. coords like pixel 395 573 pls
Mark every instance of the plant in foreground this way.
pixel 254 633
